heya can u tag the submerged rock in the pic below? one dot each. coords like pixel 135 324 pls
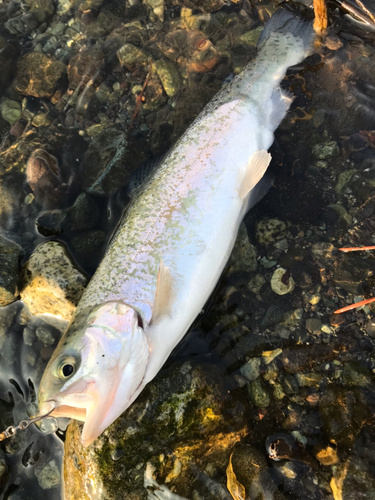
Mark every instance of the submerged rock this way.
pixel 51 283
pixel 109 162
pixel 244 254
pixel 10 258
pixel 343 413
pixel 184 422
pixel 43 177
pixel 10 110
pixel 37 75
pixel 252 472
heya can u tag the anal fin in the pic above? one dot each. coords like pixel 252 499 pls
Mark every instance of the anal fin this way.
pixel 164 293
pixel 256 168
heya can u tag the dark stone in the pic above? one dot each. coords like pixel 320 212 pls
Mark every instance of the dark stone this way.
pixel 351 273
pixel 109 162
pixel 8 60
pixel 10 258
pixel 343 413
pixel 50 223
pixel 273 316
pixel 83 214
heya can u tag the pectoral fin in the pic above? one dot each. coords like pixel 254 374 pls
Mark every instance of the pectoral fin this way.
pixel 256 168
pixel 164 293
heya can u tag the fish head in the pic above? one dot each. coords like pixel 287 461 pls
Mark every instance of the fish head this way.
pixel 97 369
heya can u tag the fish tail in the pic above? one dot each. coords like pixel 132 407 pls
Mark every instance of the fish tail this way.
pixel 285 41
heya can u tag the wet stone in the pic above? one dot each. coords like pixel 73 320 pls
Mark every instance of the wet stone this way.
pixel 244 254
pixel 309 379
pixel 314 325
pixel 323 251
pixel 259 394
pixel 344 179
pixel 292 318
pixel 10 258
pixel 352 272
pixel 48 476
pixel 326 150
pixel 87 244
pixel 84 66
pixel 109 162
pixel 270 230
pixel 130 56
pixel 169 76
pixel 43 177
pixel 355 374
pixel 45 336
pixel 10 110
pixel 256 283
pixel 251 471
pixel 354 477
pixel 83 214
pixel 251 369
pixel 8 61
pixel 291 385
pixel 50 222
pixel 343 413
pixel 272 317
pixel 51 283
pixel 37 75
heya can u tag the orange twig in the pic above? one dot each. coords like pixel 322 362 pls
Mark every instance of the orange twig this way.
pixel 355 305
pixel 355 249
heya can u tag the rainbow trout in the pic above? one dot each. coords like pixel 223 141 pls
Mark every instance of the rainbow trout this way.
pixel 173 242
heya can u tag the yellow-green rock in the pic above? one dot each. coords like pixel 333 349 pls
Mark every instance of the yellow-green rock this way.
pixel 169 76
pixel 10 110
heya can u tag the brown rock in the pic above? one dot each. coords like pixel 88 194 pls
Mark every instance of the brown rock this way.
pixel 37 75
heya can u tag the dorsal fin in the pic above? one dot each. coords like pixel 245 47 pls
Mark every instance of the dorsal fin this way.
pixel 256 168
pixel 164 293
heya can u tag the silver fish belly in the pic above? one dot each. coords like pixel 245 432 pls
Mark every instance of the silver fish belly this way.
pixel 173 243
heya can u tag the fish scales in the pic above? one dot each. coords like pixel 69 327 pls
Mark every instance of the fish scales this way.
pixel 173 243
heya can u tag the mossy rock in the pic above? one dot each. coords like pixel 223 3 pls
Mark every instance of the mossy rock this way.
pixel 185 414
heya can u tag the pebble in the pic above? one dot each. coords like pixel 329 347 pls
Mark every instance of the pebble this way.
pixel 130 56
pixel 344 179
pixel 314 325
pixel 10 110
pixel 49 476
pixel 169 76
pixel 244 254
pixel 326 150
pixel 259 394
pixel 269 231
pixel 251 369
pixel 269 356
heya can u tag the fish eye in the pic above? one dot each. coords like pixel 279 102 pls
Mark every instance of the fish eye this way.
pixel 66 368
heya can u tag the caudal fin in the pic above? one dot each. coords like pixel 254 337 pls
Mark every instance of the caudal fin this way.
pixel 295 31
pixel 285 41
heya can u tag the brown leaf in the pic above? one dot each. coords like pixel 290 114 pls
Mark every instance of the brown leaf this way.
pixel 235 488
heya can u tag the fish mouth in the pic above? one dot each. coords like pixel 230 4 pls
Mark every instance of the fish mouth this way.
pixel 69 412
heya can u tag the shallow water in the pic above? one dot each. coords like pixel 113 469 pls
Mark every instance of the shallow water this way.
pixel 299 378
